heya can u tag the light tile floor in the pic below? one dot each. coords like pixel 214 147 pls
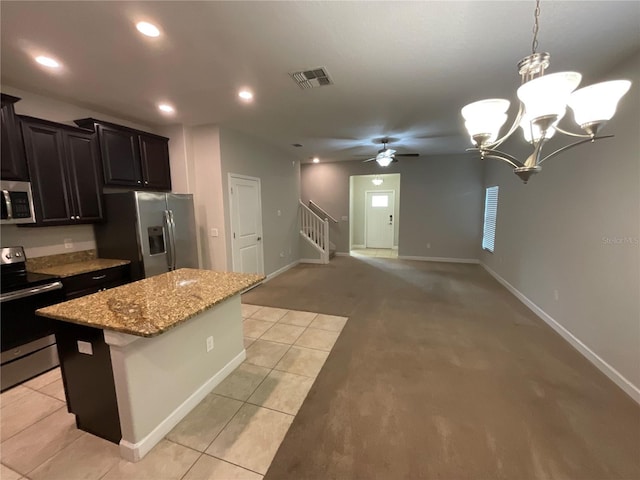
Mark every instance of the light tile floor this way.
pixel 234 433
pixel 375 252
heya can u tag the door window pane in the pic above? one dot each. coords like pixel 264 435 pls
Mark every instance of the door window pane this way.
pixel 379 200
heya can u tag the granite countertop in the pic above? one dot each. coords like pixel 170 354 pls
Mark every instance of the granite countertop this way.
pixel 154 305
pixel 69 264
pixel 76 268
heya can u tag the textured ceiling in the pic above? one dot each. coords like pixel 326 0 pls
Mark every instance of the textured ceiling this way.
pixel 401 70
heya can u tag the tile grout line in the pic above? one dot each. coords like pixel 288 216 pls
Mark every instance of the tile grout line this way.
pixel 245 402
pixel 32 424
pixel 63 448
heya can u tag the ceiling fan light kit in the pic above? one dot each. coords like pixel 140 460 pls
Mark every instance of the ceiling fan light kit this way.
pixel 387 155
pixel 543 103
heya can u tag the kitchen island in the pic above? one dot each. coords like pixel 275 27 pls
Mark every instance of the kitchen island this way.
pixel 137 358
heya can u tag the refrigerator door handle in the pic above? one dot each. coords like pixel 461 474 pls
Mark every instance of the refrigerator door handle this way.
pixel 169 240
pixel 173 241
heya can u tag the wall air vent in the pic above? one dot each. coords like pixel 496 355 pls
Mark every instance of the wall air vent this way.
pixel 312 78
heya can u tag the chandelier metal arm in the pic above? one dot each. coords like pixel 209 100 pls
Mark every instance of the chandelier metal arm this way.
pixel 514 127
pixel 571 134
pixel 498 155
pixel 575 144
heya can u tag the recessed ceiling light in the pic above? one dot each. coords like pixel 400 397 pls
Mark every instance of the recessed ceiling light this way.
pixel 47 61
pixel 148 29
pixel 166 108
pixel 316 160
pixel 245 95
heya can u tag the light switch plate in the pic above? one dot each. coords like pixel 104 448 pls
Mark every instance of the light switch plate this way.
pixel 213 232
pixel 85 347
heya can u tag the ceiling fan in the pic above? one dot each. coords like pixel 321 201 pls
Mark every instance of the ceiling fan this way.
pixel 387 155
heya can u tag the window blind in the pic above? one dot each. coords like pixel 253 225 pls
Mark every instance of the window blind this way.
pixel 490 214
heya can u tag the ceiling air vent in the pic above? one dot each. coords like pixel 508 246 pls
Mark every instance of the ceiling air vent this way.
pixel 312 78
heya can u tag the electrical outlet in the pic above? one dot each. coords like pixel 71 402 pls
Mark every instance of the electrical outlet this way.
pixel 85 347
pixel 279 213
pixel 556 294
pixel 428 245
pixel 68 243
pixel 209 344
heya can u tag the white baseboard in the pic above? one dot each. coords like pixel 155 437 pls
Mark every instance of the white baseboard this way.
pixel 357 246
pixel 395 247
pixel 312 260
pixel 628 387
pixel 281 271
pixel 134 452
pixel 439 259
pixel 342 254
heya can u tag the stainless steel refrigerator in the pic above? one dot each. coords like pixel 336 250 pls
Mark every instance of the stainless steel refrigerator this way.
pixel 156 231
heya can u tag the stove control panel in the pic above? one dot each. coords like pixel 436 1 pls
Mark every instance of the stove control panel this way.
pixel 12 255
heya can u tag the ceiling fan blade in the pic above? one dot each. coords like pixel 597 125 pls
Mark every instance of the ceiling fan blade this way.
pixel 368 159
pixel 407 155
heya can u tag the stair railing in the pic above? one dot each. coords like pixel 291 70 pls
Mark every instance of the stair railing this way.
pixel 315 229
pixel 322 212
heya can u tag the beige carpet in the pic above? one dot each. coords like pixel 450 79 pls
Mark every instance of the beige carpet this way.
pixel 440 373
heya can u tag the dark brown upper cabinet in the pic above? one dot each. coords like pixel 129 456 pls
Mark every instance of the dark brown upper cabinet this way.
pixel 14 162
pixel 64 166
pixel 131 158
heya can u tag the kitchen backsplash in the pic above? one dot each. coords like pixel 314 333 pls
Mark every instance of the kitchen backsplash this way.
pixel 38 263
pixel 40 242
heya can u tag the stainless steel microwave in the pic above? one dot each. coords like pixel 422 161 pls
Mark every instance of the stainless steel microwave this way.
pixel 17 202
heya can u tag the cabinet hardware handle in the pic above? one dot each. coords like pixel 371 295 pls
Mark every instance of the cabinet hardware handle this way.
pixel 139 181
pixel 99 277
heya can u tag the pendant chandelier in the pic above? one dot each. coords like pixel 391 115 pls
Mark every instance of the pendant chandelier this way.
pixel 543 103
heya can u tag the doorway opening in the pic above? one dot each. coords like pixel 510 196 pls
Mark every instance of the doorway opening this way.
pixel 374 210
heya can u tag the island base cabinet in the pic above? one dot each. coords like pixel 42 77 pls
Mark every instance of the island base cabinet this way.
pixel 85 362
pixel 160 379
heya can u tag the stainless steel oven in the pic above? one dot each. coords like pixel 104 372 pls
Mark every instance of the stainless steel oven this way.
pixel 27 341
pixel 16 200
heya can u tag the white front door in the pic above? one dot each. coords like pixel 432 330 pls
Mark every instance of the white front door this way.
pixel 379 219
pixel 246 224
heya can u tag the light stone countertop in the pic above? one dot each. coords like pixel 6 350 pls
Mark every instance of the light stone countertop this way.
pixel 77 268
pixel 154 305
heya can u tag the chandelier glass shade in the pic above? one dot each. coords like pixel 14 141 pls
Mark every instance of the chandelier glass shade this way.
pixel 543 103
pixel 377 181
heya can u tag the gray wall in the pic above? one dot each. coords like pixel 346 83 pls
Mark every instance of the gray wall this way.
pixel 362 184
pixel 575 228
pixel 441 202
pixel 279 175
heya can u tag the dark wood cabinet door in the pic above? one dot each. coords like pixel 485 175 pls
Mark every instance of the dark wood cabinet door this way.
pixel 154 154
pixel 45 154
pixel 120 157
pixel 86 187
pixel 13 161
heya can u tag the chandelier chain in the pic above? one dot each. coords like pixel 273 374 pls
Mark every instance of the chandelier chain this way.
pixel 536 27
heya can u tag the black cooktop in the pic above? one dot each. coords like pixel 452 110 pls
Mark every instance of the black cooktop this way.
pixel 13 282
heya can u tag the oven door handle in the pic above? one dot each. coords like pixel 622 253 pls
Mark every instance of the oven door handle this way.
pixel 28 292
pixel 7 202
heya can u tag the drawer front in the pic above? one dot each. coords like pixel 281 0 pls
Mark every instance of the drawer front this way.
pixel 86 283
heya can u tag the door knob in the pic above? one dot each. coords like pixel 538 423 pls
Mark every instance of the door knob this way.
pixel 259 238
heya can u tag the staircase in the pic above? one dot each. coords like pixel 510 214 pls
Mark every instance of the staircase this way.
pixel 315 230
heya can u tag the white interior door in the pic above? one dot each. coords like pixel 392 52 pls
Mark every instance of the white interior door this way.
pixel 246 224
pixel 378 218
